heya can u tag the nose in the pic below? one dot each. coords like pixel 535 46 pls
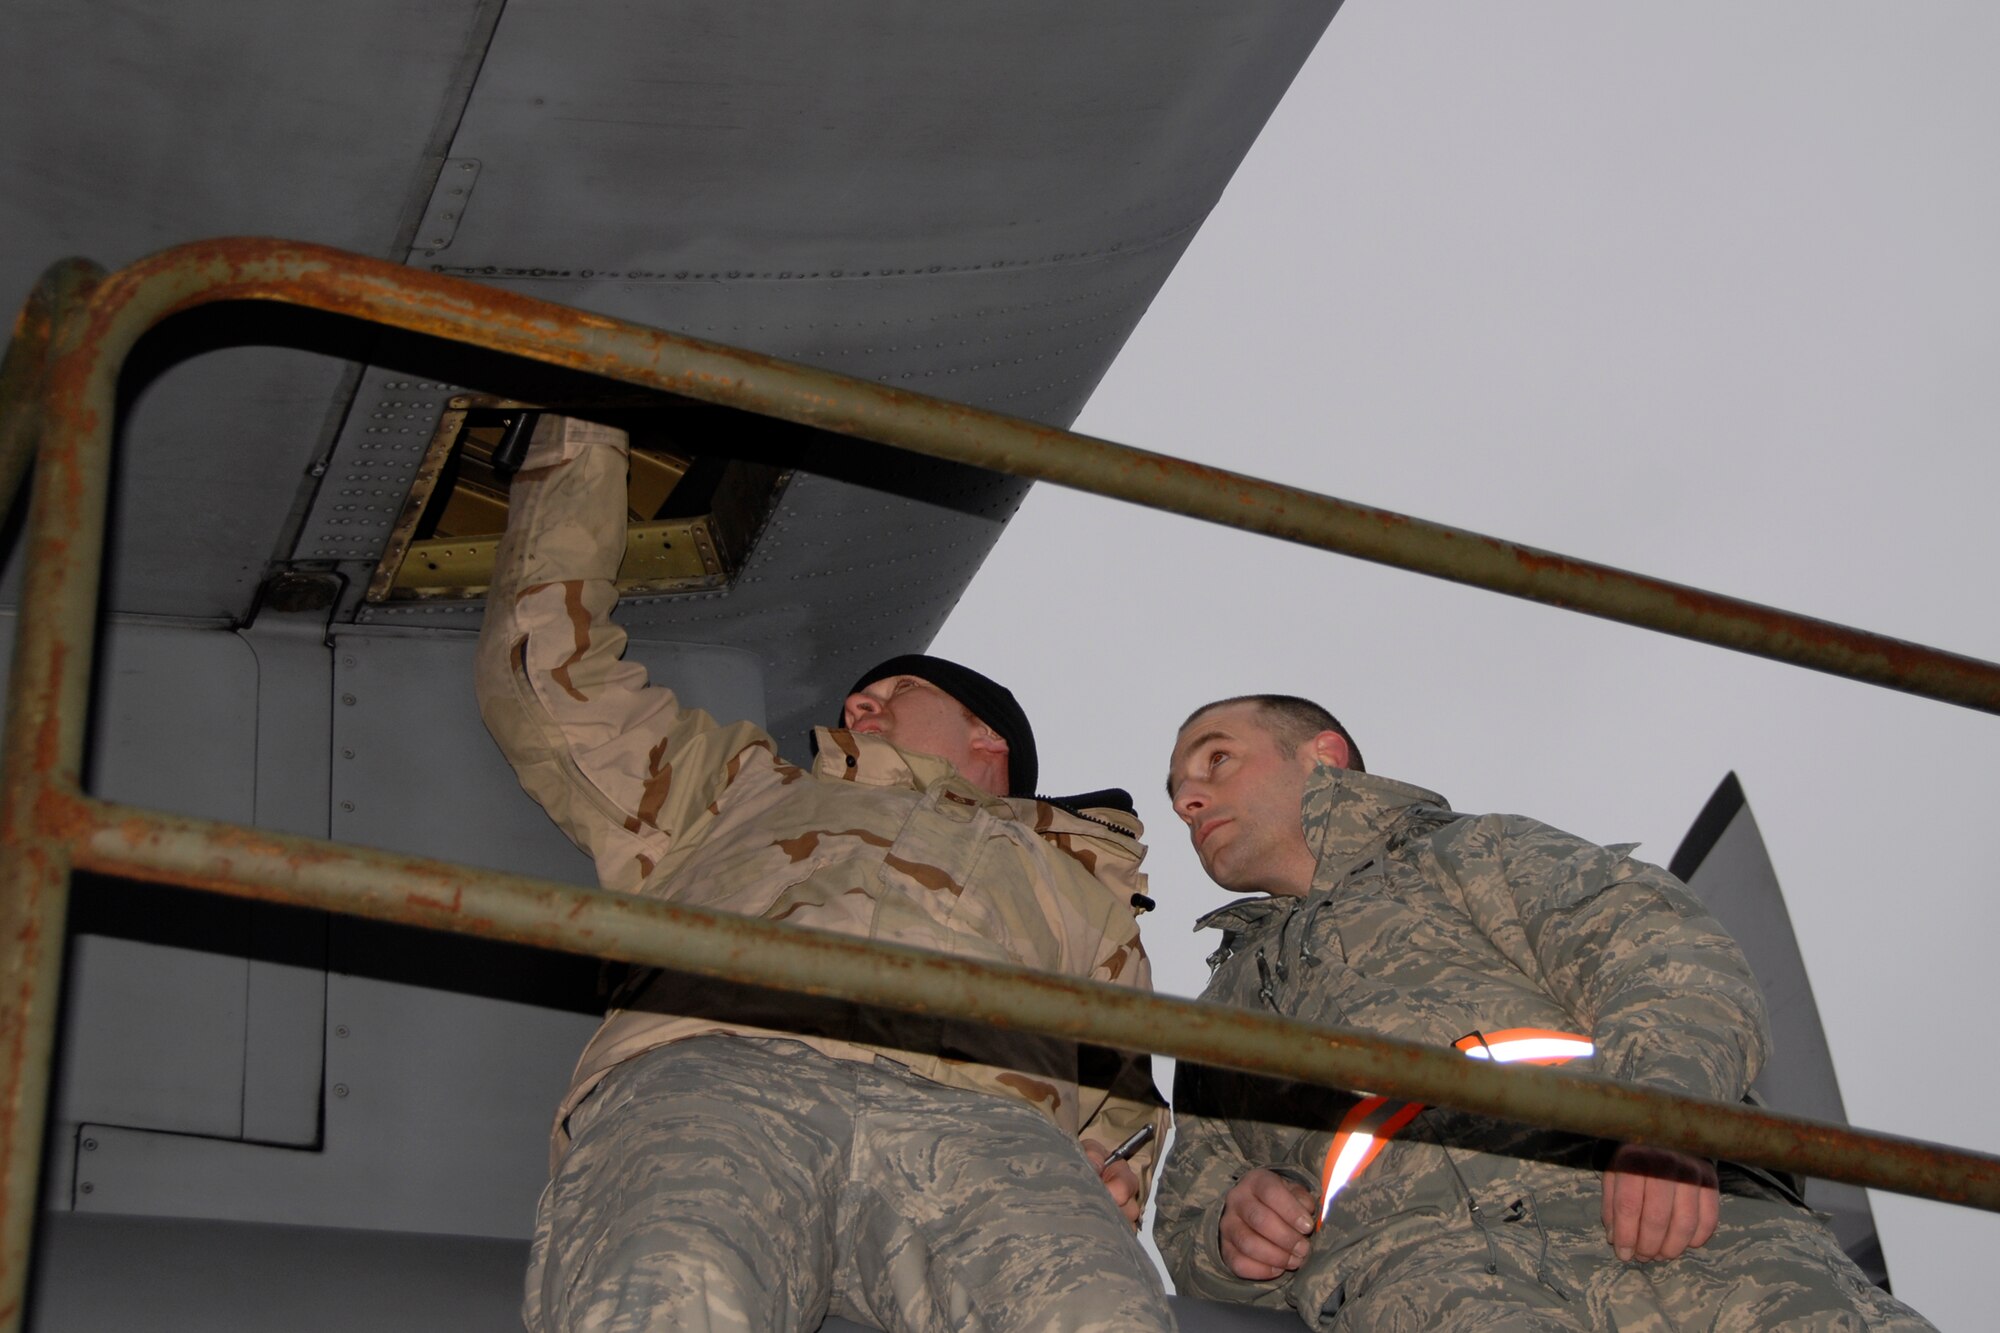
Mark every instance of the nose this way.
pixel 1189 802
pixel 858 706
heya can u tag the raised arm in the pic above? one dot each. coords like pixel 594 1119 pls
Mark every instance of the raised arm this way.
pixel 618 763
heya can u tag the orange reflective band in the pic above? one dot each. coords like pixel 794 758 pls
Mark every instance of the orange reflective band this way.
pixel 1364 1131
pixel 1371 1122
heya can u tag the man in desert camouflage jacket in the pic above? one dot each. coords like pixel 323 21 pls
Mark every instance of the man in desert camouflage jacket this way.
pixel 734 1158
pixel 1376 907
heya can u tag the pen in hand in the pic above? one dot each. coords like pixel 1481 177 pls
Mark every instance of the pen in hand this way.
pixel 1124 1151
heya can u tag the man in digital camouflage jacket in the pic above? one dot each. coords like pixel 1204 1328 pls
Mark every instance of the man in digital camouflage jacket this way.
pixel 733 1158
pixel 1375 906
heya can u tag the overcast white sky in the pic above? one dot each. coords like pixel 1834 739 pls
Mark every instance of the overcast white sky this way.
pixel 1703 290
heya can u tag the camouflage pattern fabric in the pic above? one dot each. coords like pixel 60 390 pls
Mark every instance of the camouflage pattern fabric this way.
pixel 755 1185
pixel 872 841
pixel 1426 925
pixel 1770 1266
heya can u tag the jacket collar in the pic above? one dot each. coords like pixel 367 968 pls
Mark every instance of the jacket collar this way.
pixel 1246 915
pixel 847 756
pixel 1349 815
pixel 1104 840
pixel 860 756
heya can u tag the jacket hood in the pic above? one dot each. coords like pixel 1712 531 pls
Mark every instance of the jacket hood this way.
pixel 1096 823
pixel 1111 807
pixel 1347 815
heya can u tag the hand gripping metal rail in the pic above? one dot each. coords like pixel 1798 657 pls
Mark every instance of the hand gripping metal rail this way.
pixel 57 403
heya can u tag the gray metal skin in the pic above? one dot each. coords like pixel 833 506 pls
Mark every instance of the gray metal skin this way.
pixel 241 1063
pixel 978 202
pixel 280 1119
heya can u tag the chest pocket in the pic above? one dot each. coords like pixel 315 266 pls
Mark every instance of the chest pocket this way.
pixel 934 878
pixel 1352 952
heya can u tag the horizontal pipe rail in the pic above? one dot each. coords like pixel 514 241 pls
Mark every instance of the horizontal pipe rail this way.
pixel 68 351
pixel 306 872
pixel 250 269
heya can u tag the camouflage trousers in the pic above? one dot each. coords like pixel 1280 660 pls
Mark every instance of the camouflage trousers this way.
pixel 748 1184
pixel 1769 1266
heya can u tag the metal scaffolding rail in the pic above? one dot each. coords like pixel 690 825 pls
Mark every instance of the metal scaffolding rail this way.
pixel 57 406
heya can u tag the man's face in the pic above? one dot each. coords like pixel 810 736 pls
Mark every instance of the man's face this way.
pixel 1239 795
pixel 912 714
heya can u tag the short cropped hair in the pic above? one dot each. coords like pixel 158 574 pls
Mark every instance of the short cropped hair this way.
pixel 1292 722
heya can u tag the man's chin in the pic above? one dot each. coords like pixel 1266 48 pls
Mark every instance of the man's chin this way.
pixel 1217 868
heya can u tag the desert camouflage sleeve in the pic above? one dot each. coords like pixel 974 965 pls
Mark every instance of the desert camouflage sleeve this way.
pixel 1204 1164
pixel 1124 1083
pixel 1665 992
pixel 618 763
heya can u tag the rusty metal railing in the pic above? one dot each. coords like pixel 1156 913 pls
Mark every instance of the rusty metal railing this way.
pixel 57 398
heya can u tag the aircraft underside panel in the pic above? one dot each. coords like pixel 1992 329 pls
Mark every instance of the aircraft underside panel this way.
pixel 974 202
pixel 249 1062
pixel 277 1118
pixel 135 127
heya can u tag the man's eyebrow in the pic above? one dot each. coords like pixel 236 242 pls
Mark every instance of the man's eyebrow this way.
pixel 1212 734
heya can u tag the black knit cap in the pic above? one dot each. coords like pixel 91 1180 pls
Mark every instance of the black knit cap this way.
pixel 986 699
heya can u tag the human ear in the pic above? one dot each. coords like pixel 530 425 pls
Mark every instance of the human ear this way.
pixel 986 753
pixel 1330 748
pixel 985 740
